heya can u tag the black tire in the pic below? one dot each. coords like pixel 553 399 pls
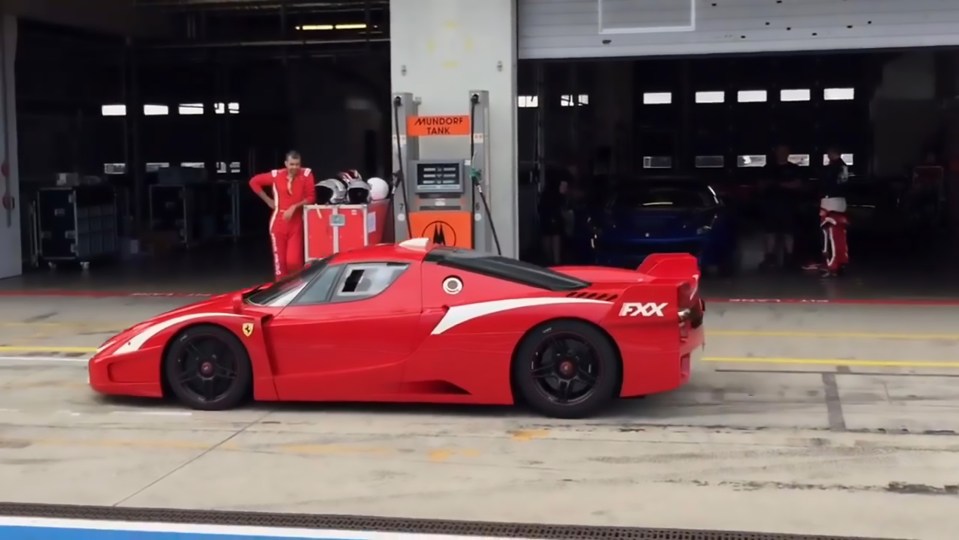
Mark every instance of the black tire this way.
pixel 584 363
pixel 207 368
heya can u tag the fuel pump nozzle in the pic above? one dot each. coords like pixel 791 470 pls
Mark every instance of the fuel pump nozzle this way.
pixel 476 175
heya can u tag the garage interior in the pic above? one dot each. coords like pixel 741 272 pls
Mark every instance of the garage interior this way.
pixel 218 91
pixel 836 419
pixel 171 123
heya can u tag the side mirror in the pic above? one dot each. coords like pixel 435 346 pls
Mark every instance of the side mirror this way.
pixel 238 303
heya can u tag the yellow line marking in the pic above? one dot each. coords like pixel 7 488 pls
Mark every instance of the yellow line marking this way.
pixel 110 328
pixel 41 384
pixel 45 349
pixel 443 454
pixel 525 435
pixel 332 449
pixel 832 362
pixel 105 327
pixel 133 443
pixel 830 335
pixel 440 455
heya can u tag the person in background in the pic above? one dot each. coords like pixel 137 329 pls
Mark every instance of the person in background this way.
pixel 290 189
pixel 779 209
pixel 832 212
pixel 553 206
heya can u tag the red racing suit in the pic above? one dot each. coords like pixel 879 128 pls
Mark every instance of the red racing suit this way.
pixel 286 236
pixel 835 250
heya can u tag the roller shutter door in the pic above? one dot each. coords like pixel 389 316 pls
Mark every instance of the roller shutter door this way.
pixel 629 28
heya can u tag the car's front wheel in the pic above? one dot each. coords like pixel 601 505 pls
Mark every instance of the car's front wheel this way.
pixel 207 368
pixel 566 369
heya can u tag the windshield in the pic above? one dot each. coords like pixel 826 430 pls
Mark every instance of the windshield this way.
pixel 665 196
pixel 270 292
pixel 505 268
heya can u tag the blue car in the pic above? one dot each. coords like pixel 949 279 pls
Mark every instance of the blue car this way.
pixel 662 216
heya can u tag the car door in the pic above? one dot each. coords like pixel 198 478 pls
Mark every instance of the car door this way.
pixel 346 337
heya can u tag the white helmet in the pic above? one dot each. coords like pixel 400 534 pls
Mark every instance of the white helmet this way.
pixel 833 204
pixel 330 191
pixel 379 189
pixel 357 191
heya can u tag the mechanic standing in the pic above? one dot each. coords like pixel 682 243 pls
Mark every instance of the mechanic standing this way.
pixel 290 189
pixel 553 205
pixel 780 210
pixel 832 214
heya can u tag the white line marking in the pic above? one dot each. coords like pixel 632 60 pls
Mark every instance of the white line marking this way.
pixel 70 413
pixel 213 530
pixel 9 410
pixel 54 359
pixel 154 413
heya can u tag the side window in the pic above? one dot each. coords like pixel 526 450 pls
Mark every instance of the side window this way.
pixel 360 281
pixel 318 292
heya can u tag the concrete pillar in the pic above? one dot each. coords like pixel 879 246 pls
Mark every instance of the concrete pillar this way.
pixel 11 240
pixel 440 51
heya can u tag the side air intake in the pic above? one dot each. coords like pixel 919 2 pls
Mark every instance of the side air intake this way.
pixel 593 295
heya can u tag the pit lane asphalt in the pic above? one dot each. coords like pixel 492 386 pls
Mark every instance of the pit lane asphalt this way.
pixel 801 418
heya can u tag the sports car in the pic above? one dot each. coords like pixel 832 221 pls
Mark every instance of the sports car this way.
pixel 663 215
pixel 418 322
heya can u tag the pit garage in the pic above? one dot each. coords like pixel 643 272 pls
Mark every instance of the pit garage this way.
pixel 818 406
pixel 629 102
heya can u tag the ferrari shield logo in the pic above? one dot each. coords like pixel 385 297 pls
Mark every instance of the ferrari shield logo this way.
pixel 248 329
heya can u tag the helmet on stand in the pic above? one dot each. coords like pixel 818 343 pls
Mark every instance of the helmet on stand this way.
pixel 379 189
pixel 357 191
pixel 330 191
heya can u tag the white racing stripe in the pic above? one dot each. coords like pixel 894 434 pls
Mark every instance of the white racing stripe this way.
pixel 138 340
pixel 458 315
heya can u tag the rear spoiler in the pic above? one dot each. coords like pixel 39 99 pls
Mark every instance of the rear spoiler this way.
pixel 681 266
pixel 677 267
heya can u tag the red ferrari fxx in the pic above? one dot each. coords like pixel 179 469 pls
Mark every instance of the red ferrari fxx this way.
pixel 417 322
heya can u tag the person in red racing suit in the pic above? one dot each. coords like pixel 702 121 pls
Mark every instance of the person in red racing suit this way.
pixel 835 249
pixel 291 189
pixel 832 214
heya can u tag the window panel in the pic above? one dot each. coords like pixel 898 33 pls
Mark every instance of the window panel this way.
pixel 751 96
pixel 361 281
pixel 751 160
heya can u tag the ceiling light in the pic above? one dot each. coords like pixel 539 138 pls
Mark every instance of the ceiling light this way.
pixel 313 27
pixel 355 26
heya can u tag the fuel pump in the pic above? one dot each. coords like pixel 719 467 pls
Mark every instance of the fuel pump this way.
pixel 439 186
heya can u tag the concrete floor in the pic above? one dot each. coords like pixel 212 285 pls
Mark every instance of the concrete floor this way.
pixel 806 419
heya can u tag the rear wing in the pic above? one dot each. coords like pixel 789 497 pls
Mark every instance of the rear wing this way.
pixel 681 266
pixel 671 293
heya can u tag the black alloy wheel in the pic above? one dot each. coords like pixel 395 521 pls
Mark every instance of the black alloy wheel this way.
pixel 566 369
pixel 207 368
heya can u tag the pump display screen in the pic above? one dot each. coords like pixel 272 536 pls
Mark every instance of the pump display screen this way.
pixel 437 176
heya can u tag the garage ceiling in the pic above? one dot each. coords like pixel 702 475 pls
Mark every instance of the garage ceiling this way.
pixel 108 16
pixel 206 22
pixel 271 23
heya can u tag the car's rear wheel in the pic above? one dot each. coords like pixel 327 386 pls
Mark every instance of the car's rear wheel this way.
pixel 207 368
pixel 566 369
